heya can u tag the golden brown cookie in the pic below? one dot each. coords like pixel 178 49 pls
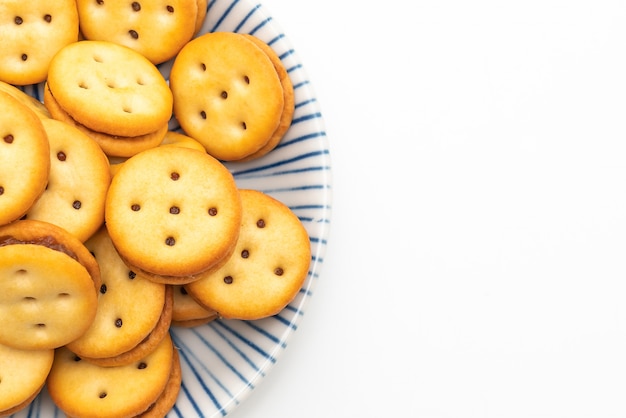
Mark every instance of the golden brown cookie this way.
pixel 78 182
pixel 112 145
pixel 156 29
pixel 133 315
pixel 22 376
pixel 48 286
pixel 227 94
pixel 110 88
pixel 24 158
pixel 82 389
pixel 173 213
pixel 32 32
pixel 267 268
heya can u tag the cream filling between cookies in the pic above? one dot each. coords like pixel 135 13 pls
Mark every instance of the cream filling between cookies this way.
pixel 45 241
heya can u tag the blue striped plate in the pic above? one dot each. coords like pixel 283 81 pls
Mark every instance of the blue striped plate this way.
pixel 225 360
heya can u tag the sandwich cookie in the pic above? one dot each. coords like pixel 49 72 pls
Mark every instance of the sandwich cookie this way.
pixel 173 213
pixel 77 184
pixel 133 315
pixel 48 286
pixel 111 90
pixel 229 95
pixel 268 267
pixel 24 158
pixel 145 388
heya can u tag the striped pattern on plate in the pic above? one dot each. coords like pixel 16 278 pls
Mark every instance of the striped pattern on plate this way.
pixel 225 360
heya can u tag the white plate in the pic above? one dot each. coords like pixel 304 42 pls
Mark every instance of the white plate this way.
pixel 226 359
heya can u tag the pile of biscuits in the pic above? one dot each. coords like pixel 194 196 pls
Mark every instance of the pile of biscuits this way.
pixel 113 228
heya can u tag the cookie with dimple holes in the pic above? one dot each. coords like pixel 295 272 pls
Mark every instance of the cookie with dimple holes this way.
pixel 78 182
pixel 112 145
pixel 110 88
pixel 24 158
pixel 268 267
pixel 22 376
pixel 155 29
pixel 173 213
pixel 48 286
pixel 133 315
pixel 227 94
pixel 32 32
pixel 147 387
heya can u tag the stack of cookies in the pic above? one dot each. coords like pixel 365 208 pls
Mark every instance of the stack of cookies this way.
pixel 113 228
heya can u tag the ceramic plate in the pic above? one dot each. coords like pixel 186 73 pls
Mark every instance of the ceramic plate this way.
pixel 225 360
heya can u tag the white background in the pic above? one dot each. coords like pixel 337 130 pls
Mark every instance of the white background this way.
pixel 476 260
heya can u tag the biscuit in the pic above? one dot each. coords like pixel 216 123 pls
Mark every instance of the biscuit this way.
pixel 48 286
pixel 187 312
pixel 78 182
pixel 155 29
pixel 227 94
pixel 267 268
pixel 110 88
pixel 24 158
pixel 112 145
pixel 173 213
pixel 133 315
pixel 32 32
pixel 23 374
pixel 82 389
pixel 33 104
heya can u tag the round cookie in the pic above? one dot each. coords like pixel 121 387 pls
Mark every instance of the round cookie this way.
pixel 173 213
pixel 133 315
pixel 227 94
pixel 155 29
pixel 24 158
pixel 110 88
pixel 77 184
pixel 82 389
pixel 32 32
pixel 23 374
pixel 48 282
pixel 187 312
pixel 267 268
pixel 112 145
